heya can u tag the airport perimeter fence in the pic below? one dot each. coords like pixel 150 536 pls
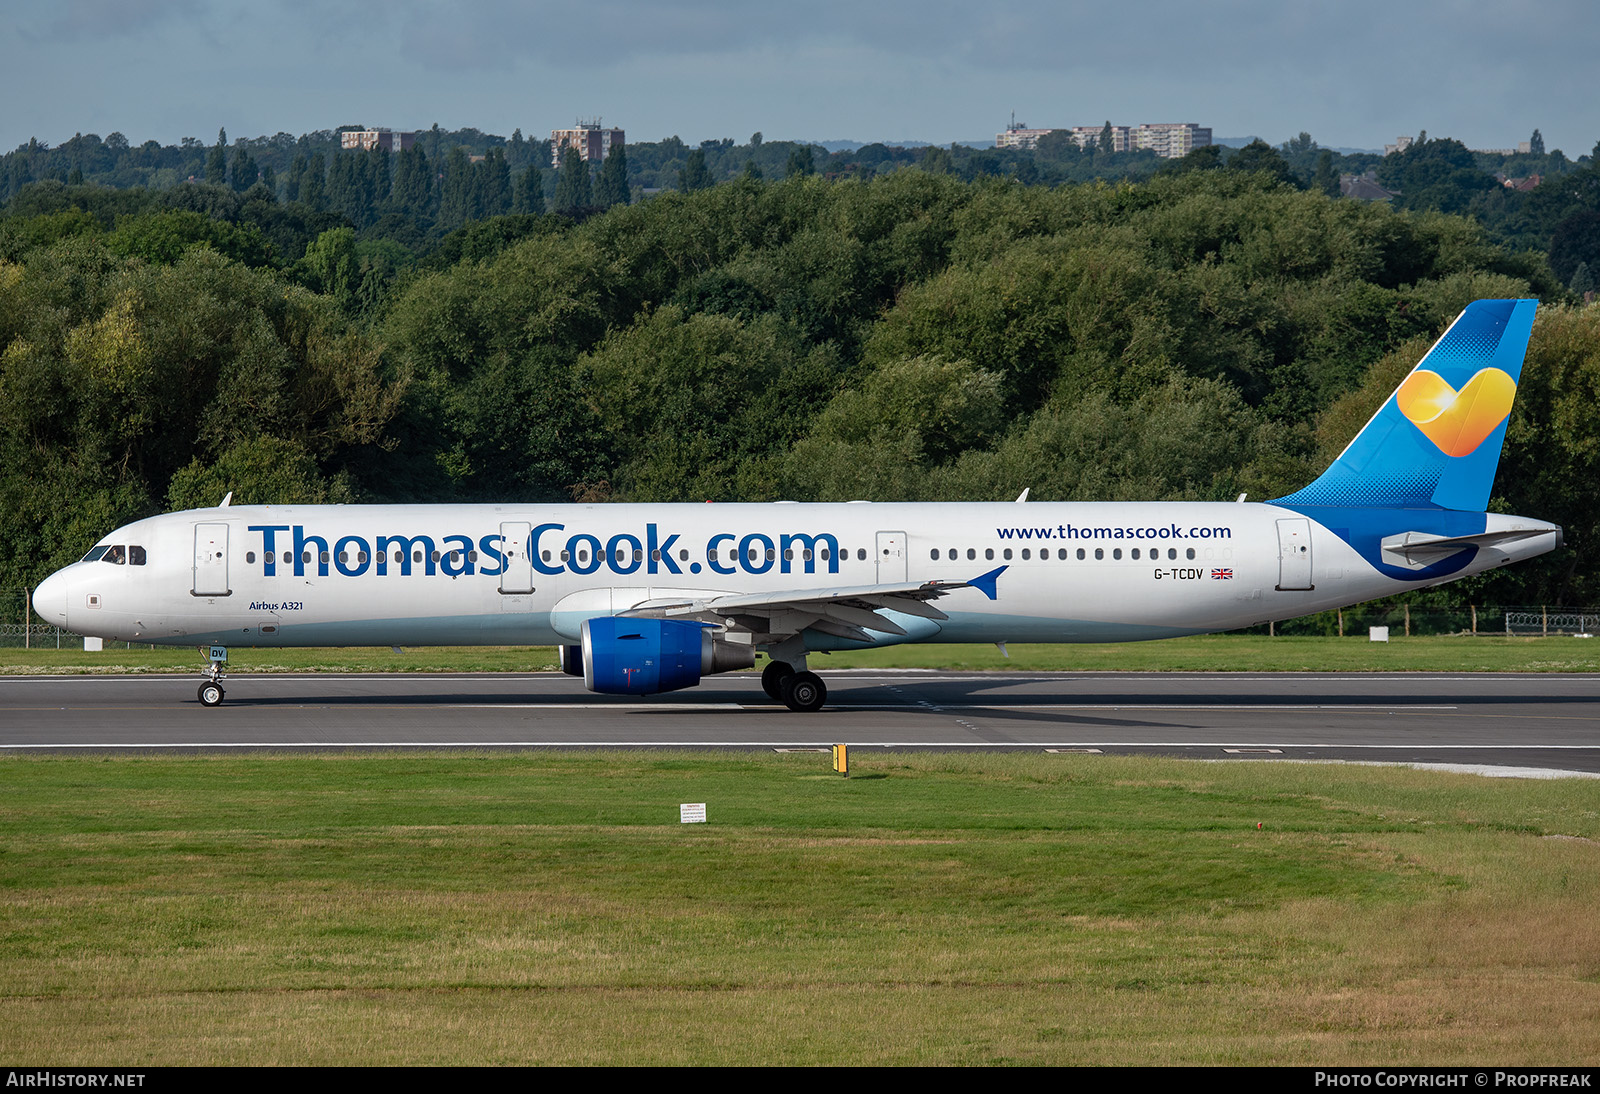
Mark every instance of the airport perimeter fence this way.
pixel 1402 619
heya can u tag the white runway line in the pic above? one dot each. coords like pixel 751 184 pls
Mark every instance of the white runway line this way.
pixel 1043 745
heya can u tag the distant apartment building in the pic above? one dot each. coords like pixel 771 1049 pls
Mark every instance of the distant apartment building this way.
pixel 1170 140
pixel 1019 136
pixel 1522 148
pixel 1166 139
pixel 593 143
pixel 1088 136
pixel 368 139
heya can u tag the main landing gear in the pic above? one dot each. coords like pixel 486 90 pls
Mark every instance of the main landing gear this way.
pixel 799 691
pixel 211 693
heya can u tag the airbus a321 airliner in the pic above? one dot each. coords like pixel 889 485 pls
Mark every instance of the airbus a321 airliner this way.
pixel 645 599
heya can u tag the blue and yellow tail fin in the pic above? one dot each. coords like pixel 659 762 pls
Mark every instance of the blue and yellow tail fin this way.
pixel 1435 444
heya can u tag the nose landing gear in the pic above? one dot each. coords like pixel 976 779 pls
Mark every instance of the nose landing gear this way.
pixel 211 693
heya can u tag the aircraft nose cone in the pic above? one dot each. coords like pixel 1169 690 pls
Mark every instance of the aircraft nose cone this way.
pixel 50 599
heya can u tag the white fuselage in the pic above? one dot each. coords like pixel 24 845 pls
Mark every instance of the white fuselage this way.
pixel 530 574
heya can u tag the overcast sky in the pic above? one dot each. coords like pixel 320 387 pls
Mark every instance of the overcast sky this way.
pixel 1354 73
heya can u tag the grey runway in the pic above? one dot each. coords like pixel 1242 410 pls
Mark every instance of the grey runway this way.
pixel 1528 721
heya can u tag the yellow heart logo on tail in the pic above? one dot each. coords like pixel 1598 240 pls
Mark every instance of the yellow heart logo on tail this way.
pixel 1456 421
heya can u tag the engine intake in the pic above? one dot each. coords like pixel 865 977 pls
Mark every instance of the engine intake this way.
pixel 623 656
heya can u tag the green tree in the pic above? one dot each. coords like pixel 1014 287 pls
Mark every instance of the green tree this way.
pixel 413 183
pixel 694 175
pixel 572 186
pixel 1056 146
pixel 699 404
pixel 313 184
pixel 1325 180
pixel 217 161
pixel 800 162
pixel 935 160
pixel 164 237
pixel 495 192
pixel 259 470
pixel 1107 142
pixel 1205 158
pixel 879 440
pixel 331 266
pixel 245 174
pixel 1583 280
pixel 456 205
pixel 528 194
pixel 613 188
pixel 1258 155
pixel 1536 144
pixel 1575 241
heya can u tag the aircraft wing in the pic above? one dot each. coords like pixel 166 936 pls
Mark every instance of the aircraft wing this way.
pixel 847 611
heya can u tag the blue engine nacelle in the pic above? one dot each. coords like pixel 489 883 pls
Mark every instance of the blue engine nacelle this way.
pixel 624 656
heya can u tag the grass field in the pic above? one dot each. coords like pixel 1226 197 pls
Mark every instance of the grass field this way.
pixel 1208 653
pixel 512 908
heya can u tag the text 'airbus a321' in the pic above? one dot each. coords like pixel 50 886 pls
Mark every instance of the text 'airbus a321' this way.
pixel 645 599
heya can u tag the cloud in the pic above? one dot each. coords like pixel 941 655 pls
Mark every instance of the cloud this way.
pixel 69 21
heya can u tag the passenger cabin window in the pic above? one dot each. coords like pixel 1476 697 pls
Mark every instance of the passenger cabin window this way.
pixel 249 556
pixel 1191 552
pixel 1081 554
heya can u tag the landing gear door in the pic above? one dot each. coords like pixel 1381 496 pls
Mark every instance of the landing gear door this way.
pixel 1294 554
pixel 211 560
pixel 517 577
pixel 891 557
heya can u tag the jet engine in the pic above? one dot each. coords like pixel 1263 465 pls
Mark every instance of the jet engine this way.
pixel 623 656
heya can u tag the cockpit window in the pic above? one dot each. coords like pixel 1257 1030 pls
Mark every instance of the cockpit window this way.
pixel 94 555
pixel 117 554
pixel 135 556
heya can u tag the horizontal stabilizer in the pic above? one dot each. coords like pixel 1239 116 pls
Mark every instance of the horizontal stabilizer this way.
pixel 1417 549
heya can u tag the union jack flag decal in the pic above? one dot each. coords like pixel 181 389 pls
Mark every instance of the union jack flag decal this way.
pixel 1221 575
